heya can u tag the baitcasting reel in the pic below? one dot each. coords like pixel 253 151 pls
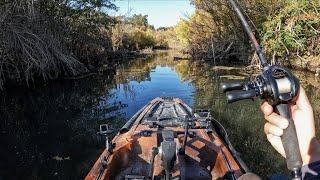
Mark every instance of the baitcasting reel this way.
pixel 276 84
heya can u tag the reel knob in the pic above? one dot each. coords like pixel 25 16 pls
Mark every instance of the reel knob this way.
pixel 234 96
pixel 231 86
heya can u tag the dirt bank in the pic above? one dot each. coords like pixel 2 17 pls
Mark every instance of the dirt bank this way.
pixel 311 64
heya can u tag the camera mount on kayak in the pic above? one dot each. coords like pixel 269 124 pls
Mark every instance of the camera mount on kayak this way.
pixel 106 130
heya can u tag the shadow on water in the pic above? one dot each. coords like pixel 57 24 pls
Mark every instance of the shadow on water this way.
pixel 51 132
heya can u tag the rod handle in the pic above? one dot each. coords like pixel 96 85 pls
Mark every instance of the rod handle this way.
pixel 290 140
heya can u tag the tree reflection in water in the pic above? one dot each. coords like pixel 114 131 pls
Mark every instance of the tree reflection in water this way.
pixel 51 132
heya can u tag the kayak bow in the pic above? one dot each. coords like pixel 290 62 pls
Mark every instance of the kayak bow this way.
pixel 166 139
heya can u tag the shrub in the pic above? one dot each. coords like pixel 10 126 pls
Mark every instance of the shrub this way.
pixel 294 30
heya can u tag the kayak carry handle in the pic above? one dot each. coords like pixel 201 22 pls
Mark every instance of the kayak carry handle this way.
pixel 230 86
pixel 234 96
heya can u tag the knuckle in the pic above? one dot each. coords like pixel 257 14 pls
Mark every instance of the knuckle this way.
pixel 266 128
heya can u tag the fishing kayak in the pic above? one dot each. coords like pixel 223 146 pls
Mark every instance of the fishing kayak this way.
pixel 166 139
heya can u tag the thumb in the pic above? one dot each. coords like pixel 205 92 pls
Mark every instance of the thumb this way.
pixel 302 101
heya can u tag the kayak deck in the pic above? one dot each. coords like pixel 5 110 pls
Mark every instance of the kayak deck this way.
pixel 205 155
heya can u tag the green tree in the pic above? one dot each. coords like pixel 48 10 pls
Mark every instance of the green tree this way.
pixel 91 4
pixel 284 28
pixel 182 31
pixel 294 30
pixel 139 20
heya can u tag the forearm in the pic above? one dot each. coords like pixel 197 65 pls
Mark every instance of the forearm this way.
pixel 311 171
pixel 313 154
pixel 311 161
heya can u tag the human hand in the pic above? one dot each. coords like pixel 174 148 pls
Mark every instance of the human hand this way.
pixel 302 115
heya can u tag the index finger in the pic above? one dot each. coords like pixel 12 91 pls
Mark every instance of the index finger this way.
pixel 266 108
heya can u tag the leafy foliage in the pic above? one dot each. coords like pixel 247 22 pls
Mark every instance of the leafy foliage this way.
pixel 51 38
pixel 210 32
pixel 294 30
pixel 133 33
pixel 47 39
pixel 284 27
pixel 139 20
pixel 182 31
pixel 90 4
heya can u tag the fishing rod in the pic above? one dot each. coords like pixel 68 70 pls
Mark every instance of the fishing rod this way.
pixel 278 86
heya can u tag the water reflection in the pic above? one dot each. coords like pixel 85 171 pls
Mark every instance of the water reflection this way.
pixel 50 132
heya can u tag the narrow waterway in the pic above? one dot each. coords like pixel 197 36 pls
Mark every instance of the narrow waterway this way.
pixel 50 132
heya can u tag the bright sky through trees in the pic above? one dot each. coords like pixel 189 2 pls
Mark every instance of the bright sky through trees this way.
pixel 160 12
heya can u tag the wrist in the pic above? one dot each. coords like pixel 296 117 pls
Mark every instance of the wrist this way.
pixel 313 153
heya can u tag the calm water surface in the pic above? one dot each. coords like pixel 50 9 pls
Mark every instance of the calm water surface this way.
pixel 51 132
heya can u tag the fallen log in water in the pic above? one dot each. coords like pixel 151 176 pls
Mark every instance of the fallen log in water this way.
pixel 80 77
pixel 176 58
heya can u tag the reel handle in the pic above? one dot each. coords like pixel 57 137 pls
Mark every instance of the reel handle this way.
pixel 290 142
